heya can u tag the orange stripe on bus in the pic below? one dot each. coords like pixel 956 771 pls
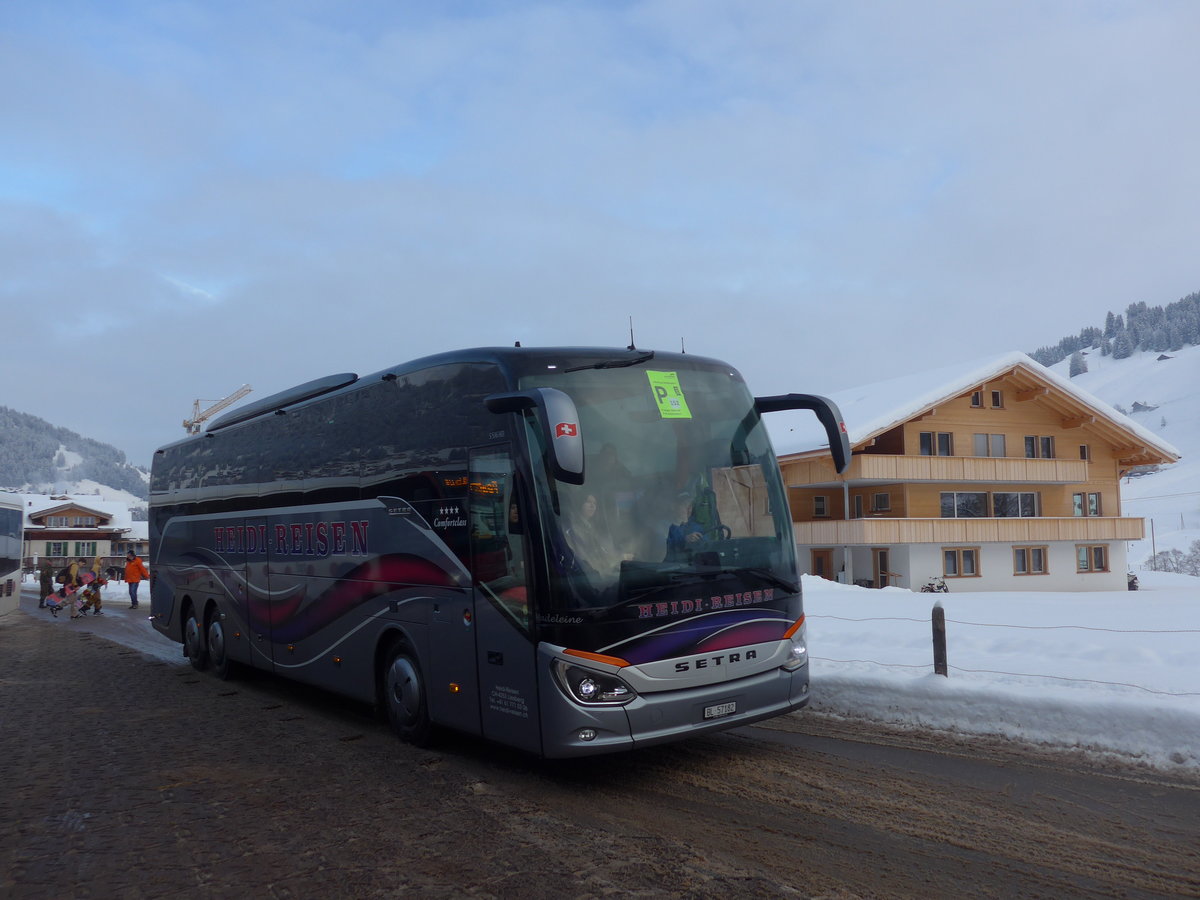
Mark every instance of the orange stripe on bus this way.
pixel 794 628
pixel 598 657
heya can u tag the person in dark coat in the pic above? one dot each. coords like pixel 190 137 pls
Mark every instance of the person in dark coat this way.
pixel 46 577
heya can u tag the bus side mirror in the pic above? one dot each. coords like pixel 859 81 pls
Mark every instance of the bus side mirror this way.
pixel 559 421
pixel 827 413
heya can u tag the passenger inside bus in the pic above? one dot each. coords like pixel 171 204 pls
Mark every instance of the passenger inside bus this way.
pixel 684 533
pixel 590 539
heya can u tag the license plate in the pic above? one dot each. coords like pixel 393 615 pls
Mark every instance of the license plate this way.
pixel 721 709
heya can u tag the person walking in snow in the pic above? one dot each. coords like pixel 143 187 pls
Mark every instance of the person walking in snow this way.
pixel 46 577
pixel 135 572
pixel 91 594
pixel 74 573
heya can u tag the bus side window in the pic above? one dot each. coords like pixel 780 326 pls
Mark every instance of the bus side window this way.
pixel 498 533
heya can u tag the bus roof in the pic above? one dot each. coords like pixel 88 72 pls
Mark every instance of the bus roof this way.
pixel 516 361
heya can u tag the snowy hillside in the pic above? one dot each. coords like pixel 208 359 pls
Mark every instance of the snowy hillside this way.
pixel 85 488
pixel 1169 500
pixel 39 457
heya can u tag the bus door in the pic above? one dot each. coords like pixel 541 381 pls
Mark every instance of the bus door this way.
pixel 505 651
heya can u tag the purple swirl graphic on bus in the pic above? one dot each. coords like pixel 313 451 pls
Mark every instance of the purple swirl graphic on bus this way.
pixel 724 631
pixel 298 617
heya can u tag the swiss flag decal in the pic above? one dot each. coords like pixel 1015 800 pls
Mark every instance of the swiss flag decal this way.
pixel 566 429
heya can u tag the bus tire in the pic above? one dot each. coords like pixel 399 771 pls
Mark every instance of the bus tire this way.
pixel 194 646
pixel 218 652
pixel 405 699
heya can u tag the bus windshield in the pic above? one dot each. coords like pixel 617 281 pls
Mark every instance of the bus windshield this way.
pixel 680 487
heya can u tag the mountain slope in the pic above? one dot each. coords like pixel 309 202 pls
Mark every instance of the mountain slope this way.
pixel 1167 395
pixel 36 456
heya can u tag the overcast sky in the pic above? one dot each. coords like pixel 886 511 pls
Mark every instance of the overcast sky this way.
pixel 197 195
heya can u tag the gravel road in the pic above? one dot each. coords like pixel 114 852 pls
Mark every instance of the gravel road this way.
pixel 131 775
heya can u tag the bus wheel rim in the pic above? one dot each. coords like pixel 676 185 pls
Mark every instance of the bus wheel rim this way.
pixel 216 642
pixel 192 636
pixel 404 689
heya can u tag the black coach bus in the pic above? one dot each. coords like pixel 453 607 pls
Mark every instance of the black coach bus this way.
pixel 566 550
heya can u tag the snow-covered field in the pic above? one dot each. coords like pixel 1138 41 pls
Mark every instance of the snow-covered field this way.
pixel 1115 673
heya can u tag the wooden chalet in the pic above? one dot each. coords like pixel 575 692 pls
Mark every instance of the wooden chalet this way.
pixel 994 476
pixel 63 529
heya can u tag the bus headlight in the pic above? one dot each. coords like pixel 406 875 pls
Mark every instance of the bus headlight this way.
pixel 798 654
pixel 591 687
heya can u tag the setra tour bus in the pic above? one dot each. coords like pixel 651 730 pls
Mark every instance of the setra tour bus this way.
pixel 12 514
pixel 565 550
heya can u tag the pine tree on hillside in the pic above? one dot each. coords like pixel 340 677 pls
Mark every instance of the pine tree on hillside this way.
pixel 1078 364
pixel 1122 346
pixel 1110 325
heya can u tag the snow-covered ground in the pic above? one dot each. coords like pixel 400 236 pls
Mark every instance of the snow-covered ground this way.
pixel 1115 673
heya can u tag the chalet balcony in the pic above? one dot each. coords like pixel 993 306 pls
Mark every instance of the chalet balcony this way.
pixel 882 532
pixel 885 469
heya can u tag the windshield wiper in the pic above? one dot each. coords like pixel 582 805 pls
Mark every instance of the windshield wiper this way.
pixel 614 363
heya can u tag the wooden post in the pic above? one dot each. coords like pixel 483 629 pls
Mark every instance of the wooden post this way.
pixel 939 640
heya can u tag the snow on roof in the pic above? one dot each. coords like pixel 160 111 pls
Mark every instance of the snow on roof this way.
pixel 118 513
pixel 871 409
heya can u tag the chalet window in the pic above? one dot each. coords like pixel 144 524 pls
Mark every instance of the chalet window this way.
pixel 1085 452
pixel 977 400
pixel 997 399
pixel 858 506
pixel 960 562
pixel 1091 558
pixel 1086 504
pixel 85 548
pixel 881 502
pixel 1039 447
pixel 84 522
pixel 820 507
pixel 990 445
pixel 1014 504
pixel 56 548
pixel 964 505
pixel 1029 560
pixel 57 521
pixel 937 443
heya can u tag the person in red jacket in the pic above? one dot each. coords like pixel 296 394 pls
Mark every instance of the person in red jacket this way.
pixel 135 571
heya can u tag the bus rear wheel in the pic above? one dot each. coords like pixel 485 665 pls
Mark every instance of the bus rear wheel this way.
pixel 193 641
pixel 218 652
pixel 405 699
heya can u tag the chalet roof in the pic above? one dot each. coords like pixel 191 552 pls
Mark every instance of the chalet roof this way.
pixel 117 513
pixel 61 508
pixel 872 409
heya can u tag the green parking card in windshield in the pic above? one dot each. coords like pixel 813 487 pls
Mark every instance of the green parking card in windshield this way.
pixel 669 395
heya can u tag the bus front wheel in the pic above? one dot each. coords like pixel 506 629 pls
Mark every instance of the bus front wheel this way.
pixel 193 640
pixel 405 700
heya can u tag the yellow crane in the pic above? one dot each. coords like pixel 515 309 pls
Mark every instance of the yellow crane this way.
pixel 192 425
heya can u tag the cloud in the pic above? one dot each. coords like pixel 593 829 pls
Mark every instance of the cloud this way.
pixel 266 192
